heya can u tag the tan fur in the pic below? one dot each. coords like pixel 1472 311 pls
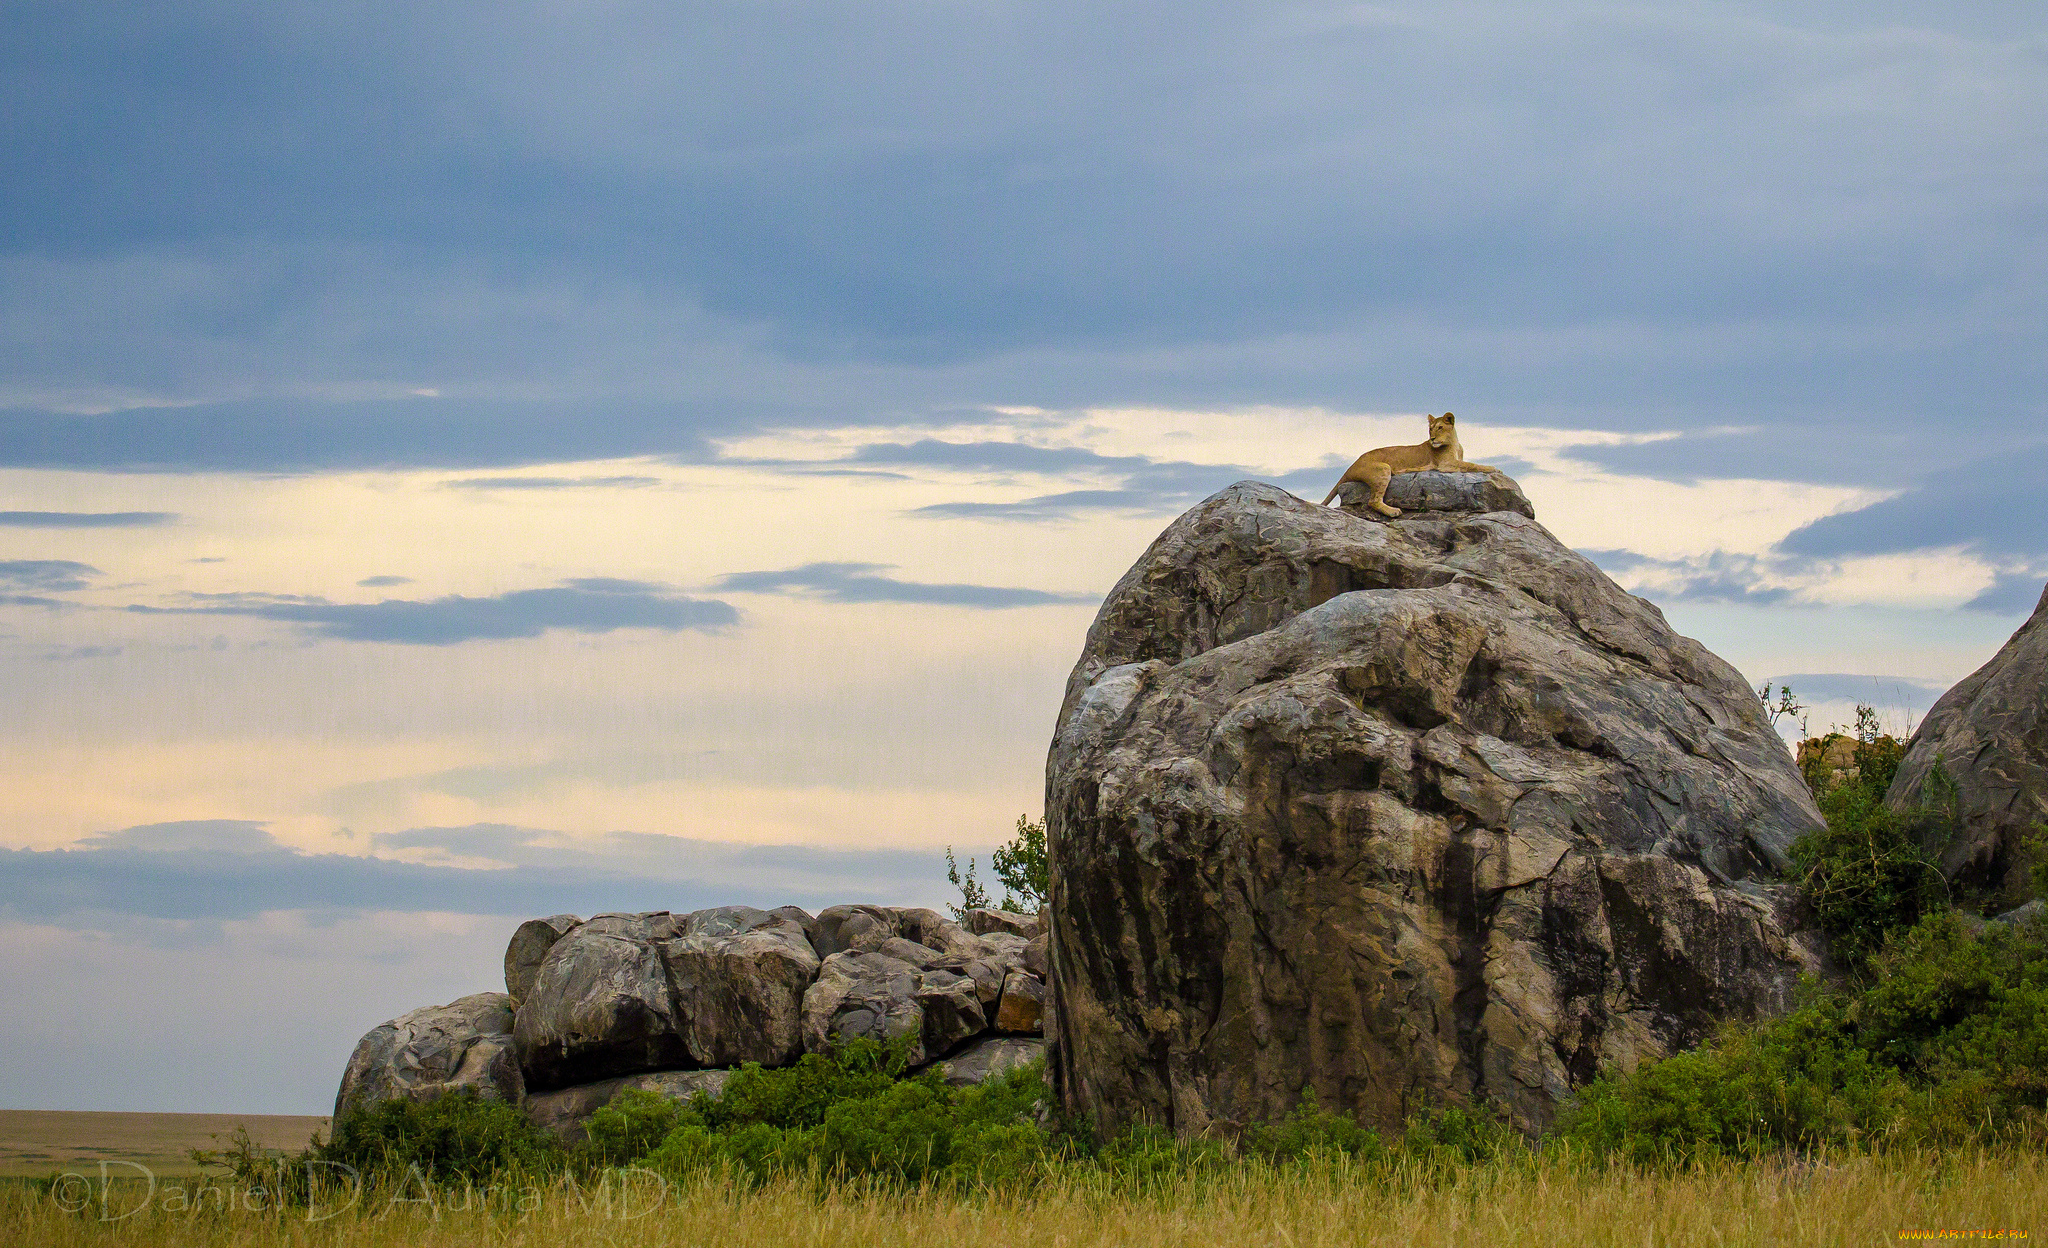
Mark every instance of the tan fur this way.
pixel 1374 469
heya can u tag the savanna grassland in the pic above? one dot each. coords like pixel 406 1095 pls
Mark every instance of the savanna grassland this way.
pixel 1863 1199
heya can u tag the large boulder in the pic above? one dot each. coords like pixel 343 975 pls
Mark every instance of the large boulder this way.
pixel 633 992
pixel 601 1005
pixel 739 976
pixel 1409 812
pixel 899 994
pixel 1990 735
pixel 466 1044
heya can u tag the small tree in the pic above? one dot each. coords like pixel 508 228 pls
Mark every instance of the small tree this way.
pixel 1020 867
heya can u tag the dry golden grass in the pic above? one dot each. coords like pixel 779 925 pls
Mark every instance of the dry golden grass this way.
pixel 1855 1201
pixel 34 1142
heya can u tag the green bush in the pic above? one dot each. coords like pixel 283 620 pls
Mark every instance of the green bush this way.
pixel 457 1136
pixel 850 1113
pixel 1865 875
pixel 1947 1044
pixel 1313 1132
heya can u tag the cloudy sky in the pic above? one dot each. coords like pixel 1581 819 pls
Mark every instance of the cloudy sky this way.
pixel 466 461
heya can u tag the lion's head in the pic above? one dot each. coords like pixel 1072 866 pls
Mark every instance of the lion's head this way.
pixel 1442 430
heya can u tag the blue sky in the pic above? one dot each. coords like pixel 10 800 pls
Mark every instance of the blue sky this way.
pixel 458 456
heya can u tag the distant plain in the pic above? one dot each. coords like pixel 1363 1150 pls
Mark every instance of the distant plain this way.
pixel 38 1142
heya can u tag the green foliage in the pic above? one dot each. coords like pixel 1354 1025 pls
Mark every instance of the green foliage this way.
pixel 1948 1044
pixel 972 895
pixel 852 1113
pixel 1313 1132
pixel 458 1136
pixel 636 1121
pixel 1787 704
pixel 1865 875
pixel 1021 867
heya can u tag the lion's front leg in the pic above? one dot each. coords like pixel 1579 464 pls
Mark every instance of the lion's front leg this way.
pixel 1462 466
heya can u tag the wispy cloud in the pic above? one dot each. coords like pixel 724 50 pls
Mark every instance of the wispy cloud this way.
pixel 1721 576
pixel 223 869
pixel 586 605
pixel 862 582
pixel 550 483
pixel 48 576
pixel 1064 506
pixel 84 519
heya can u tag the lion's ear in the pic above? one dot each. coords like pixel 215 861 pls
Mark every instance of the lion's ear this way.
pixel 1448 418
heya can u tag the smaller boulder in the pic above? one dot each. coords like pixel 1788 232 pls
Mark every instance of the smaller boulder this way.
pixel 528 948
pixel 1022 1008
pixel 981 922
pixel 1472 492
pixel 438 1048
pixel 565 1112
pixel 989 1059
pixel 1037 956
pixel 884 998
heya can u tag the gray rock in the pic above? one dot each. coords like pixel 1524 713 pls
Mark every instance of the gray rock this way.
pixel 989 1059
pixel 440 1048
pixel 529 947
pixel 601 1005
pixel 1037 957
pixel 883 998
pixel 564 1111
pixel 982 922
pixel 1990 734
pixel 1410 812
pixel 2019 916
pixel 1473 492
pixel 738 977
pixel 627 993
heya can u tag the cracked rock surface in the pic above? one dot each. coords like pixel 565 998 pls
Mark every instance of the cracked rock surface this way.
pixel 1410 812
pixel 1990 734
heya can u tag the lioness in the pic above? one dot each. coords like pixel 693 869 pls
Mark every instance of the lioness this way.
pixel 1375 468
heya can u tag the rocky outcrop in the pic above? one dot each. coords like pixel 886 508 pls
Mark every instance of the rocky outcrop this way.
pixel 1990 735
pixel 466 1044
pixel 1408 812
pixel 671 1002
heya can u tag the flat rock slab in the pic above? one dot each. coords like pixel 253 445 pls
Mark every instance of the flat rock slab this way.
pixel 1411 812
pixel 1470 492
pixel 989 1059
pixel 564 1111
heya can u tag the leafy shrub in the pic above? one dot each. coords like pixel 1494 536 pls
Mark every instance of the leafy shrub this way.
pixel 634 1123
pixel 1864 875
pixel 1456 1137
pixel 852 1113
pixel 1021 867
pixel 1947 1044
pixel 457 1136
pixel 1313 1132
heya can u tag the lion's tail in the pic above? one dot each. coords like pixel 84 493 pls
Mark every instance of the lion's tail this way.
pixel 1332 494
